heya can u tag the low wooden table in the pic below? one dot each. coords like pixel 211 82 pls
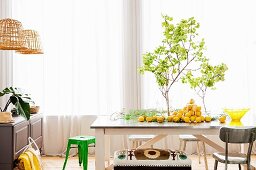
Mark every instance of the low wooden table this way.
pixel 104 127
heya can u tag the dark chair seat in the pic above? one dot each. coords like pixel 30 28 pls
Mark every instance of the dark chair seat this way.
pixel 233 158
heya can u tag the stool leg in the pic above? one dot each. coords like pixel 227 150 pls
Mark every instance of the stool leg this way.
pixel 85 156
pixel 80 155
pixel 184 145
pixel 198 152
pixel 205 158
pixel 180 145
pixel 67 153
pixel 133 144
pixel 136 144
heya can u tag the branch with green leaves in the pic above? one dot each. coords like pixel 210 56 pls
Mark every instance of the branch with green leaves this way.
pixel 207 78
pixel 169 62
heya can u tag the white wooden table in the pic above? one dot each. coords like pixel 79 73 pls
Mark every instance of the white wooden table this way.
pixel 104 127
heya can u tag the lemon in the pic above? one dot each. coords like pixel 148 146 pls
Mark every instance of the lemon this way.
pixel 175 113
pixel 194 107
pixel 176 119
pixel 208 118
pixel 222 119
pixel 202 118
pixel 198 113
pixel 189 106
pixel 154 118
pixel 141 119
pixel 191 101
pixel 198 108
pixel 181 111
pixel 185 109
pixel 198 120
pixel 188 114
pixel 186 119
pixel 182 117
pixel 192 118
pixel 192 113
pixel 179 115
pixel 149 119
pixel 163 117
pixel 170 118
pixel 160 119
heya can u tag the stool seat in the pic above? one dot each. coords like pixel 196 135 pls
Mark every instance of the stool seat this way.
pixel 188 138
pixel 89 139
pixel 82 143
pixel 138 139
pixel 141 137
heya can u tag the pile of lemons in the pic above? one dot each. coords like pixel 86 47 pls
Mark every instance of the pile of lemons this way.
pixel 191 113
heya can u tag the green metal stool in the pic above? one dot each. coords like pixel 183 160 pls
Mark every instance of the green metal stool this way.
pixel 82 143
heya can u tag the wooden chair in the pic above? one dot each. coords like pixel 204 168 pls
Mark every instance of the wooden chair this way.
pixel 238 136
pixel 190 138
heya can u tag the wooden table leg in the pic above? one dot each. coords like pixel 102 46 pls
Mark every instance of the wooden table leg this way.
pixel 210 143
pixel 151 141
pixel 100 149
pixel 107 149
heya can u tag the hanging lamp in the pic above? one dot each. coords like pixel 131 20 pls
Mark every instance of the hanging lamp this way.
pixel 32 43
pixel 11 36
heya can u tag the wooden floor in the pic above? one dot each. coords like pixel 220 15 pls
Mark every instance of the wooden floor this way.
pixel 56 163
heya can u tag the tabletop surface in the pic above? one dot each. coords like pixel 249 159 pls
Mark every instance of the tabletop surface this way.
pixel 106 122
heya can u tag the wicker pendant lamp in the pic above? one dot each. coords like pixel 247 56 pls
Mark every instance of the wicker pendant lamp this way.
pixel 32 43
pixel 11 36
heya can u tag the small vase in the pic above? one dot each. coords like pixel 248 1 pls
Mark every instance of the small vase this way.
pixel 14 112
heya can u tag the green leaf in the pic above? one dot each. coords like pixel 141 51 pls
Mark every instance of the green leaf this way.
pixel 14 99
pixel 23 108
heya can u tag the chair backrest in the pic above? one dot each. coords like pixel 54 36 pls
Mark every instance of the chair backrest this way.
pixel 238 134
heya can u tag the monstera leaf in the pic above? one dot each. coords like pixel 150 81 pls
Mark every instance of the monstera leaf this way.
pixel 19 99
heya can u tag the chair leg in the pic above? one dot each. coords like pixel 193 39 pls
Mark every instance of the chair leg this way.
pixel 198 152
pixel 226 166
pixel 205 158
pixel 239 166
pixel 67 154
pixel 248 166
pixel 215 165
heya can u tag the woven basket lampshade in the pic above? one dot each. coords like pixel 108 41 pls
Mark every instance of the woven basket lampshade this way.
pixel 11 36
pixel 32 43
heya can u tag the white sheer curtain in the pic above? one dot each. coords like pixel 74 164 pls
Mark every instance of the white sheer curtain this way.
pixel 229 31
pixel 6 57
pixel 81 69
pixel 89 66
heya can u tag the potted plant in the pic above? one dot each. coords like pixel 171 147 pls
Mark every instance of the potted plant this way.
pixel 181 51
pixel 207 78
pixel 19 99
